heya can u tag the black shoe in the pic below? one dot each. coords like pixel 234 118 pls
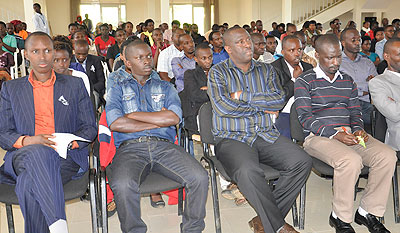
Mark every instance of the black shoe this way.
pixel 340 226
pixel 157 204
pixel 370 221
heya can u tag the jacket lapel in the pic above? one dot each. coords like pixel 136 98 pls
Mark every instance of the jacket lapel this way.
pixel 59 100
pixel 28 106
pixel 285 68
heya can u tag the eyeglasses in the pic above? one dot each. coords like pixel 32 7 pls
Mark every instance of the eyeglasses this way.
pixel 339 23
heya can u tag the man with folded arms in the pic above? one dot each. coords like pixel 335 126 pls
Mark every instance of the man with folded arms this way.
pixel 142 111
pixel 244 93
pixel 329 110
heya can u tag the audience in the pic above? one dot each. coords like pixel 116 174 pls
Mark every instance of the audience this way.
pixel 360 68
pixel 327 104
pixel 113 51
pixel 164 67
pixel 259 28
pixel 259 44
pixel 289 67
pixel 72 28
pixel 245 135
pixel 385 92
pixel 6 61
pixel 59 104
pixel 168 33
pixel 146 35
pixel 128 28
pixel 388 31
pixel 219 53
pixel 271 54
pixel 104 41
pixel 156 109
pixel 378 36
pixel 180 64
pixel 291 29
pixel 39 20
pixel 158 46
pixel 9 43
pixel 365 50
pixel 304 56
pixel 197 38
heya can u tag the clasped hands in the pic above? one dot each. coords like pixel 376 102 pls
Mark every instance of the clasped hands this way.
pixel 236 96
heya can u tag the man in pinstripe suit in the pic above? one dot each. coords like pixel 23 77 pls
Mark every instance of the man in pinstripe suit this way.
pixel 32 108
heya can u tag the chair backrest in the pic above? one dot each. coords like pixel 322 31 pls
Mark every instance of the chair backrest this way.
pixel 379 126
pixel 14 69
pixel 296 130
pixel 205 123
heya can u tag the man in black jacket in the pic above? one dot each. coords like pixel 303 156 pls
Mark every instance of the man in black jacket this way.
pixel 195 87
pixel 289 68
pixel 93 68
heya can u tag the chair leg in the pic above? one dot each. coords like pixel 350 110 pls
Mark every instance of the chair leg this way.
pixel 10 218
pixel 103 201
pixel 302 208
pixel 180 201
pixel 214 190
pixel 295 215
pixel 357 189
pixel 396 197
pixel 93 199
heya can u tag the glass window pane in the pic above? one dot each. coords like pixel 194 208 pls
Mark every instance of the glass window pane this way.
pixel 123 13
pixel 199 18
pixel 212 15
pixel 183 13
pixel 93 11
pixel 110 15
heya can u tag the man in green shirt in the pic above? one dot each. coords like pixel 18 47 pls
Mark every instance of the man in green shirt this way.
pixel 9 43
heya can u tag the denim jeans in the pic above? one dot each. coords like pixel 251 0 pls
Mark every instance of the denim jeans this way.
pixel 366 109
pixel 133 162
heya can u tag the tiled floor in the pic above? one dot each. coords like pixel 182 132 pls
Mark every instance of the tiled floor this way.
pixel 234 219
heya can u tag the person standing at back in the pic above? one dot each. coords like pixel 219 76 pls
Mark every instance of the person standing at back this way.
pixel 39 20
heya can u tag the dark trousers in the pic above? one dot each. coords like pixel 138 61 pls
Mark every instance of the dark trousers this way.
pixel 242 163
pixel 282 124
pixel 134 161
pixel 41 173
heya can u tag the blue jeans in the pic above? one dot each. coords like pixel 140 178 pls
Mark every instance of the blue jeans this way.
pixel 134 161
pixel 366 109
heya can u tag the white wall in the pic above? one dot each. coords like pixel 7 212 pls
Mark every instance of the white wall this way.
pixel 59 16
pixel 392 11
pixel 11 9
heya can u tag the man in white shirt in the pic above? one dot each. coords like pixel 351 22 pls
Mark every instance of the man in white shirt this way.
pixel 164 67
pixel 39 20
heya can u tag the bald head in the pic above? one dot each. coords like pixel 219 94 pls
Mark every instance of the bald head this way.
pixel 230 34
pixel 324 40
pixel 42 35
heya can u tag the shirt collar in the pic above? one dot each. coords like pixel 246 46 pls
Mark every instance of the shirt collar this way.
pixel 291 69
pixel 254 63
pixel 358 57
pixel 48 83
pixel 321 74
pixel 392 72
pixel 223 50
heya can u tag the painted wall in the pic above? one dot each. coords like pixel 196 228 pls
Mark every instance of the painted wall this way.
pixel 138 11
pixel 59 16
pixel 12 9
pixel 392 11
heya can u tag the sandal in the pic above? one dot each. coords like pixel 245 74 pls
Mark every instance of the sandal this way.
pixel 157 204
pixel 111 208
pixel 229 192
pixel 240 201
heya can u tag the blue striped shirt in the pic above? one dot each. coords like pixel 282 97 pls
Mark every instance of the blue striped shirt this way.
pixel 244 119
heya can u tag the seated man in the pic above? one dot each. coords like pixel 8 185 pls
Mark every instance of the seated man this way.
pixel 385 92
pixel 181 64
pixel 243 93
pixel 330 113
pixel 57 104
pixel 92 66
pixel 142 111
pixel 289 67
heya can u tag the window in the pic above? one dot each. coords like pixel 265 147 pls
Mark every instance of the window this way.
pixel 105 13
pixel 188 13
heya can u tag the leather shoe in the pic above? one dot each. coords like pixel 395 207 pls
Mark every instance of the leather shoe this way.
pixel 256 225
pixel 288 229
pixel 157 204
pixel 370 221
pixel 340 226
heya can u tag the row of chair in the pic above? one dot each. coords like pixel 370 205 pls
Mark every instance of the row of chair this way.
pixel 19 68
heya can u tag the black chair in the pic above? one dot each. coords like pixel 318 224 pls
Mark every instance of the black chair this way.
pixel 379 128
pixel 207 139
pixel 72 190
pixel 154 183
pixel 320 168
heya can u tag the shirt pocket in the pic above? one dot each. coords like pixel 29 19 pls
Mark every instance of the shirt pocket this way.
pixel 129 102
pixel 157 101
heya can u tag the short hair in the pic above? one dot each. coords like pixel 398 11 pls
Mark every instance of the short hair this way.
pixel 325 39
pixel 36 34
pixel 395 21
pixel 299 33
pixel 124 25
pixel 225 24
pixel 104 25
pixel 318 24
pixel 365 38
pixel 258 21
pixel 379 29
pixel 200 47
pixel 2 23
pixel 396 34
pixel 215 27
pixel 245 26
pixel 182 35
pixel 58 45
pixel 312 22
pixel 344 32
pixel 134 44
pixel 289 25
pixel 306 24
pixel 270 36
pixel 387 26
pixel 62 38
pixel 119 29
pixel 176 22
pixel 390 43
pixel 210 36
pixel 126 42
pixel 289 37
pixel 79 31
pixel 157 29
pixel 82 43
pixel 282 25
pixel 72 24
pixel 37 4
pixel 146 23
pixel 256 34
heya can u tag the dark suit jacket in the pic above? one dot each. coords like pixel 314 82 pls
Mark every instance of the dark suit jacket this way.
pixel 17 115
pixel 192 97
pixel 94 70
pixel 284 75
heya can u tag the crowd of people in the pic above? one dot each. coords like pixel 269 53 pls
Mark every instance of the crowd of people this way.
pixel 160 76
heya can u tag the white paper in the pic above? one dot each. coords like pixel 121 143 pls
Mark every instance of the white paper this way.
pixel 62 140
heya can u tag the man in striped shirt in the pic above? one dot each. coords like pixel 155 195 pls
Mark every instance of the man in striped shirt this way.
pixel 245 94
pixel 329 110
